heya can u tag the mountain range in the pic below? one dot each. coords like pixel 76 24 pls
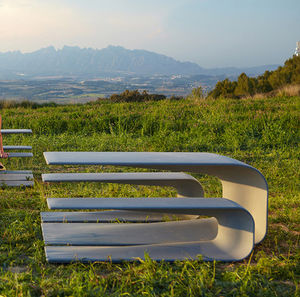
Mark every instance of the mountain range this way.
pixel 113 60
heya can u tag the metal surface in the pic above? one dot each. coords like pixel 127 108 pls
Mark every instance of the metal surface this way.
pixel 241 183
pixel 170 241
pixel 15 172
pixel 137 159
pixel 16 183
pixel 17 147
pixel 102 216
pixel 186 185
pixel 138 204
pixel 16 131
pixel 111 234
pixel 20 155
pixel 16 176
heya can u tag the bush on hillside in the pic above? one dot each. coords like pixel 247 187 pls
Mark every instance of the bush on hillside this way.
pixel 135 96
pixel 224 88
pixel 25 104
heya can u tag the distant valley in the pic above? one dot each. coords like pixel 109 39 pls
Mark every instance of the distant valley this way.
pixel 71 90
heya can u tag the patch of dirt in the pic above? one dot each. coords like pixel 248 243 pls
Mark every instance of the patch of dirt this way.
pixel 285 228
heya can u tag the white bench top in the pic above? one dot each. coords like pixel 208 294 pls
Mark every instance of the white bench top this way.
pixel 16 131
pixel 138 158
pixel 17 147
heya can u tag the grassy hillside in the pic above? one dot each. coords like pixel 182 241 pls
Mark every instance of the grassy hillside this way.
pixel 263 133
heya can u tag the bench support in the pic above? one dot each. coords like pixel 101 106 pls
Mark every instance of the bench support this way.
pixel 228 236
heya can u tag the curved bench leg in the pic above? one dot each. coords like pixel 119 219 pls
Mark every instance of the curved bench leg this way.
pixel 233 240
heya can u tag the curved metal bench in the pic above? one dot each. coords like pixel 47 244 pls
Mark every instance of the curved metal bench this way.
pixel 243 186
pixel 18 178
pixel 228 237
pixel 15 178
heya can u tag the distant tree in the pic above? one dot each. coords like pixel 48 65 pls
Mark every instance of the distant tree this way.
pixel 223 89
pixel 244 86
pixel 262 85
pixel 197 93
pixel 135 96
pixel 174 98
pixel 275 79
pixel 293 66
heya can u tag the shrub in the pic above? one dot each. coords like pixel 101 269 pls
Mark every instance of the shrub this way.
pixel 135 96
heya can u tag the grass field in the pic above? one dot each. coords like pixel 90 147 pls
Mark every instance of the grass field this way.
pixel 261 132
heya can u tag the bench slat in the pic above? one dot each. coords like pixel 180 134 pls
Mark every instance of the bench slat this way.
pixel 186 185
pixel 158 252
pixel 113 177
pixel 155 204
pixel 17 147
pixel 16 131
pixel 15 172
pixel 15 177
pixel 17 183
pixel 19 155
pixel 99 216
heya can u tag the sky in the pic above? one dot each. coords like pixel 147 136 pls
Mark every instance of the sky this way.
pixel 212 33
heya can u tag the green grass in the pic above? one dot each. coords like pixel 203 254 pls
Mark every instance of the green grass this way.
pixel 263 133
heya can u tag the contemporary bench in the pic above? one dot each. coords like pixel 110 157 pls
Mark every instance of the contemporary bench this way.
pixel 13 177
pixel 17 147
pixel 235 223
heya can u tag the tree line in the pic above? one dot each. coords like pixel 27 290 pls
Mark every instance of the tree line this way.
pixel 270 81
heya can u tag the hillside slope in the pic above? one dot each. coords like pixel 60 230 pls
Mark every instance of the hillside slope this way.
pixel 262 132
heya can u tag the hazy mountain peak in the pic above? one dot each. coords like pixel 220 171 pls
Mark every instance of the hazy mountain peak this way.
pixel 87 62
pixel 115 47
pixel 48 49
pixel 72 48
